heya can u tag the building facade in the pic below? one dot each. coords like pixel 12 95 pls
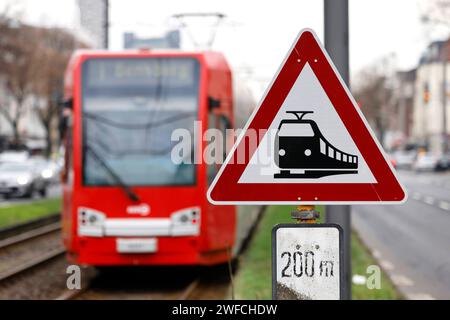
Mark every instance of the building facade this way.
pixel 429 110
pixel 94 16
pixel 171 40
pixel 401 120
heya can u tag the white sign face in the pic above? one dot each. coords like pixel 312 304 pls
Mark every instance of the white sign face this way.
pixel 306 262
pixel 307 95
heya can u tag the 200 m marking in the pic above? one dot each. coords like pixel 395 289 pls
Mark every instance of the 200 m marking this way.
pixel 300 264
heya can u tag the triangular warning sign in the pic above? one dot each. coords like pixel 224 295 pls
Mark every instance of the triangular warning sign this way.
pixel 306 142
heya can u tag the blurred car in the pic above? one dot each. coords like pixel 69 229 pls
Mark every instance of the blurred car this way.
pixel 393 162
pixel 405 159
pixel 21 179
pixel 49 169
pixel 13 156
pixel 426 162
pixel 443 162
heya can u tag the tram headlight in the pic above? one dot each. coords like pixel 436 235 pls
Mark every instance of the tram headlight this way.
pixel 281 152
pixel 90 222
pixel 186 222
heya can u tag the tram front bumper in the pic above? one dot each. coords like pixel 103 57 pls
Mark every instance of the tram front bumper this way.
pixel 94 223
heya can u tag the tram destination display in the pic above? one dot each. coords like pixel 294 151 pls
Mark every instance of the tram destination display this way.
pixel 148 72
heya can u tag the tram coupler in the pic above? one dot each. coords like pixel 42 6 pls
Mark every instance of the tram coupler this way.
pixel 305 214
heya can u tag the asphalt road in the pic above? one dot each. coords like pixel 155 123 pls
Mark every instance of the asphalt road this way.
pixel 412 241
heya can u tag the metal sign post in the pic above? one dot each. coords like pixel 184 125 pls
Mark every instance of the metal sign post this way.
pixel 336 43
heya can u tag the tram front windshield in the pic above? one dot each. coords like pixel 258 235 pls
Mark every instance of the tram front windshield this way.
pixel 131 106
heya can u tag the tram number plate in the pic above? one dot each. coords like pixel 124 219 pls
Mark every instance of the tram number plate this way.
pixel 147 245
pixel 306 262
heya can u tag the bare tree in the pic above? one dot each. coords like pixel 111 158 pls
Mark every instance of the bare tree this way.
pixel 436 11
pixel 32 65
pixel 56 47
pixel 18 65
pixel 373 91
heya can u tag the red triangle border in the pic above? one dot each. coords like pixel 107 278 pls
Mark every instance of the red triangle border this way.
pixel 225 188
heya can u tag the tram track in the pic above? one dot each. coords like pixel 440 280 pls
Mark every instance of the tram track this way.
pixel 153 284
pixel 24 251
pixel 187 293
pixel 22 268
pixel 16 229
pixel 29 235
pixel 184 294
pixel 36 257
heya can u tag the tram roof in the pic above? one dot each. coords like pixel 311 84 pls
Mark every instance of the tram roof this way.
pixel 213 59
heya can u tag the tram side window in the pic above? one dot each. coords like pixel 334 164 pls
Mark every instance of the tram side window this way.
pixel 211 170
pixel 323 147
pixel 338 155
pixel 330 152
pixel 344 157
pixel 224 124
pixel 67 175
pixel 221 123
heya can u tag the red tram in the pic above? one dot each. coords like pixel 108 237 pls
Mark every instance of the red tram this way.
pixel 125 202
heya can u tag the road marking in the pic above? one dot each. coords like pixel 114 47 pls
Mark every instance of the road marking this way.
pixel 376 254
pixel 416 196
pixel 429 200
pixel 444 205
pixel 386 265
pixel 401 280
pixel 420 296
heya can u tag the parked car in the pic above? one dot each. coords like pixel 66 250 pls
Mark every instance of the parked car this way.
pixel 426 162
pixel 393 162
pixel 13 156
pixel 49 169
pixel 405 159
pixel 21 179
pixel 443 162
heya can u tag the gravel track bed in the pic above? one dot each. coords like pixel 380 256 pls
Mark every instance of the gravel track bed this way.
pixel 22 252
pixel 158 283
pixel 46 281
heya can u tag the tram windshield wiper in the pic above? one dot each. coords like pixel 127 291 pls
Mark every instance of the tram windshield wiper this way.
pixel 130 193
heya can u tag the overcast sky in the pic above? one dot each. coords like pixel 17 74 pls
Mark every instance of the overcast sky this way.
pixel 258 34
